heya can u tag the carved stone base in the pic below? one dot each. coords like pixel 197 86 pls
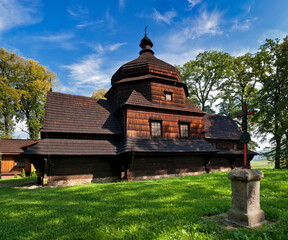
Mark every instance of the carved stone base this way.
pixel 245 209
pixel 252 219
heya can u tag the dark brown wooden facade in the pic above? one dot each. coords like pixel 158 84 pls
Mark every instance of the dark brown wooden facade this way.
pixel 145 129
pixel 12 161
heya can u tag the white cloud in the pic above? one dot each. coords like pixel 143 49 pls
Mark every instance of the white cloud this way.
pixel 110 21
pixel 100 49
pixel 242 25
pixel 86 75
pixel 206 24
pixel 91 73
pixel 193 3
pixel 77 11
pixel 166 17
pixel 115 46
pixel 56 37
pixel 14 13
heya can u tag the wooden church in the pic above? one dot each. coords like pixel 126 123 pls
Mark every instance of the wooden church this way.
pixel 146 129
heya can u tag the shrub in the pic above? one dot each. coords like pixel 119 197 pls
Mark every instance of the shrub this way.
pixel 33 173
pixel 15 175
pixel 23 174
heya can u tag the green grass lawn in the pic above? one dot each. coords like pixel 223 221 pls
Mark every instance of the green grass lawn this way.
pixel 160 209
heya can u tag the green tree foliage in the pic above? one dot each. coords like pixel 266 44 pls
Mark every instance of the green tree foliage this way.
pixel 273 97
pixel 23 87
pixel 10 64
pixel 239 87
pixel 204 75
pixel 100 93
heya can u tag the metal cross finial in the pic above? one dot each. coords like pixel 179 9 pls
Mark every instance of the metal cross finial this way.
pixel 145 29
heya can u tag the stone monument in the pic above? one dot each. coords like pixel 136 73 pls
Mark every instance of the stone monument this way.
pixel 246 209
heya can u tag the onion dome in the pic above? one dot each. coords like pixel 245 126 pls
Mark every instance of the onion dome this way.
pixel 146 65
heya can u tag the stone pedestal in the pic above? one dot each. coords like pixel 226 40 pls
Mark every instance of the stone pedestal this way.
pixel 245 209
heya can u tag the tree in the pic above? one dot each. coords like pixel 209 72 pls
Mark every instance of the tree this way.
pixel 100 93
pixel 24 84
pixel 240 85
pixel 36 80
pixel 273 97
pixel 203 76
pixel 9 95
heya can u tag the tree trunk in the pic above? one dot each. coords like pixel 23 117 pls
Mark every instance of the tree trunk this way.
pixel 278 147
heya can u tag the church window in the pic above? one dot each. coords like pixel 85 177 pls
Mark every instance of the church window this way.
pixel 156 128
pixel 19 163
pixel 184 129
pixel 168 96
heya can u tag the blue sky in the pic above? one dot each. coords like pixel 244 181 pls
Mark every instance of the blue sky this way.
pixel 85 42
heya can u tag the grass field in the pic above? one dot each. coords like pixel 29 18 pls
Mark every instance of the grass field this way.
pixel 263 164
pixel 160 209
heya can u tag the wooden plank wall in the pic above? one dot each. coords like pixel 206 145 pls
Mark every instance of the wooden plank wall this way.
pixel 158 94
pixel 219 163
pixel 138 124
pixel 99 166
pixel 8 164
pixel 123 91
pixel 226 144
pixel 162 165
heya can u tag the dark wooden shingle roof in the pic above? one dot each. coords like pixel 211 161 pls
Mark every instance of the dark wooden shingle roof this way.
pixel 13 145
pixel 76 114
pixel 137 99
pixel 146 63
pixel 234 152
pixel 221 127
pixel 72 147
pixel 138 144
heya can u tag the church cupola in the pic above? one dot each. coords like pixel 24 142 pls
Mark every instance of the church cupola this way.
pixel 146 45
pixel 146 66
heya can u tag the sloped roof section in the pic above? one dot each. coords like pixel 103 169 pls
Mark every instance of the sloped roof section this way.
pixel 76 114
pixel 137 99
pixel 72 147
pixel 137 144
pixel 234 152
pixel 221 127
pixel 13 145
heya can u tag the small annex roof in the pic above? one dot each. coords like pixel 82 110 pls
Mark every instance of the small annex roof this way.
pixel 166 145
pixel 234 152
pixel 221 127
pixel 137 99
pixel 51 146
pixel 67 113
pixel 13 146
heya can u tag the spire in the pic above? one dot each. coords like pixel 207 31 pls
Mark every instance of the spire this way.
pixel 146 44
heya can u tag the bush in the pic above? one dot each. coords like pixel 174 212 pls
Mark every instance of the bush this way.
pixel 23 174
pixel 15 175
pixel 33 173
